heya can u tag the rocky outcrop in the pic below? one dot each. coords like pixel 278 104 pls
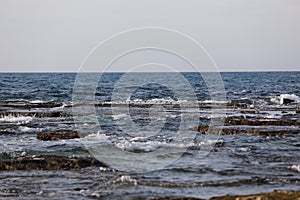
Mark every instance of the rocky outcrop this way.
pixel 28 105
pixel 275 195
pixel 49 162
pixel 244 130
pixel 58 135
pixel 259 122
pixel 177 198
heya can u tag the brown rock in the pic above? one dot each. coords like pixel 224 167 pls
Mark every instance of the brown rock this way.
pixel 176 198
pixel 243 130
pixel 58 135
pixel 256 122
pixel 275 195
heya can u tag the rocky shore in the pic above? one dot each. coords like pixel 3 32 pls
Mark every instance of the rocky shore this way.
pixel 275 195
pixel 57 135
pixel 48 162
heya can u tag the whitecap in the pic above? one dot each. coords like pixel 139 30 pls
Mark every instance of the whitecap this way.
pixel 126 179
pixel 26 129
pixel 213 102
pixel 295 168
pixel 19 120
pixel 38 101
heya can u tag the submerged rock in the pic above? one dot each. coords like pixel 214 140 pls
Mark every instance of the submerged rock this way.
pixel 275 195
pixel 58 135
pixel 49 162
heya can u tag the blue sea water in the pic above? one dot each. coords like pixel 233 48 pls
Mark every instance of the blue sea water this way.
pixel 238 163
pixel 58 86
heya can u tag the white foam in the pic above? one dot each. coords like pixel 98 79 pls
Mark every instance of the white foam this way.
pixel 213 102
pixel 57 108
pixel 26 129
pixel 148 146
pixel 155 101
pixel 120 116
pixel 295 168
pixel 275 100
pixel 21 120
pixel 38 101
pixel 126 179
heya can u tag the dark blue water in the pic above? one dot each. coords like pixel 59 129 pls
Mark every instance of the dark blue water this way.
pixel 58 86
pixel 140 130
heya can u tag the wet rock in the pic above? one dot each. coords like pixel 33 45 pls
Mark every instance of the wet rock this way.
pixel 176 198
pixel 58 135
pixel 244 130
pixel 287 101
pixel 6 132
pixel 257 122
pixel 49 162
pixel 223 131
pixel 237 105
pixel 33 114
pixel 275 195
pixel 249 111
pixel 273 132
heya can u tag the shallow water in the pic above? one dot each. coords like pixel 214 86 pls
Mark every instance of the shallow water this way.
pixel 237 164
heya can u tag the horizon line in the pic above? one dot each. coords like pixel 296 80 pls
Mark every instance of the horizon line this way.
pixel 2 72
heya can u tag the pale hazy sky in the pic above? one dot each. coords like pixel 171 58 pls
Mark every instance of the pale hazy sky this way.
pixel 240 35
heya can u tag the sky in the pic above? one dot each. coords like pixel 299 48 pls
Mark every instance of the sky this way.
pixel 239 35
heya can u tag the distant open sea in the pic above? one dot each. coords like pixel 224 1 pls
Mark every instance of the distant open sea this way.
pixel 259 151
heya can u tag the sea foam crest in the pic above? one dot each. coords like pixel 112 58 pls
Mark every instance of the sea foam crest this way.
pixel 19 119
pixel 295 168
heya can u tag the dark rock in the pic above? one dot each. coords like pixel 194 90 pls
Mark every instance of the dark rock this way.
pixel 275 195
pixel 49 162
pixel 175 198
pixel 58 135
pixel 287 101
pixel 6 132
pixel 249 111
pixel 237 105
pixel 273 132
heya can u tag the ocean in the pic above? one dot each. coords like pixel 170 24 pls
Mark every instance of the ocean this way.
pixel 159 134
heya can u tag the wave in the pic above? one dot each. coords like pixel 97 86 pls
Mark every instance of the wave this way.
pixel 19 120
pixel 295 168
pixel 144 144
pixel 25 129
